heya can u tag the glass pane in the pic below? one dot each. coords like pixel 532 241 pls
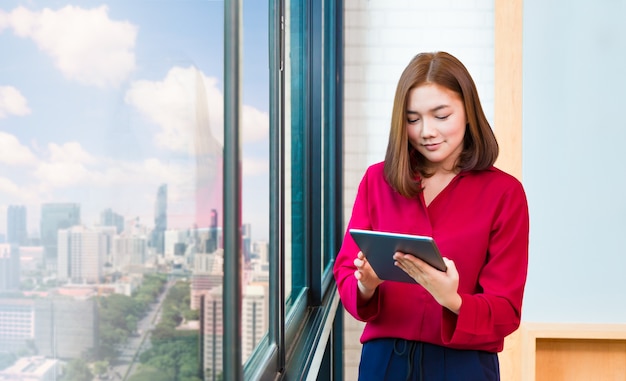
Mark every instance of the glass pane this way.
pixel 111 123
pixel 294 159
pixel 329 126
pixel 255 177
pixel 287 149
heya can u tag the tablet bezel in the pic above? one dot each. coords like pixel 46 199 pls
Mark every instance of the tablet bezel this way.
pixel 379 248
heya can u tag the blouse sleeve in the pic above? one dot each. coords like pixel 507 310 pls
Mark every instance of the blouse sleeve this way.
pixel 344 268
pixel 494 313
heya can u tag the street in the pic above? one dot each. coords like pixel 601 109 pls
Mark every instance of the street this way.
pixel 128 357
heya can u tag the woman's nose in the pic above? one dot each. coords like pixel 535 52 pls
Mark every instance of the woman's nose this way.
pixel 427 128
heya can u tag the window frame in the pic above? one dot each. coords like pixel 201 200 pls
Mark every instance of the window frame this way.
pixel 304 335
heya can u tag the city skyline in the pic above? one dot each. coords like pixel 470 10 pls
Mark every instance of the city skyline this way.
pixel 111 186
pixel 107 218
pixel 99 106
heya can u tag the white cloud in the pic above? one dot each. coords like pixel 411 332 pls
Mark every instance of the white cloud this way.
pixel 172 105
pixel 85 44
pixel 255 166
pixel 12 102
pixel 4 20
pixel 186 104
pixel 13 152
pixel 69 166
pixel 150 173
pixel 71 152
pixel 66 166
pixel 64 174
pixel 255 124
pixel 7 186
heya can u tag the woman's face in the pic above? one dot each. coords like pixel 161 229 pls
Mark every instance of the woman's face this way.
pixel 435 123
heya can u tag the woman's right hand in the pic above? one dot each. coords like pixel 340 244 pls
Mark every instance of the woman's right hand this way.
pixel 366 277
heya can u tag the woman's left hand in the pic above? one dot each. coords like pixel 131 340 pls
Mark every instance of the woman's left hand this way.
pixel 443 286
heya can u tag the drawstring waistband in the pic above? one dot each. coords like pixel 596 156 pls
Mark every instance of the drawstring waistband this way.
pixel 409 347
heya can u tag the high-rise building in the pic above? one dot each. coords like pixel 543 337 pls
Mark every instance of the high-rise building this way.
pixel 160 220
pixel 246 241
pixel 66 326
pixel 212 243
pixel 16 225
pixel 254 322
pixel 202 284
pixel 208 273
pixel 107 233
pixel 129 250
pixel 175 239
pixel 261 249
pixel 212 333
pixel 31 258
pixel 109 218
pixel 56 216
pixel 206 240
pixel 17 318
pixel 254 318
pixel 81 254
pixel 9 267
pixel 61 326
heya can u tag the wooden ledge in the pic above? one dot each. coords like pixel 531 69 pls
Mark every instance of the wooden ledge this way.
pixel 603 340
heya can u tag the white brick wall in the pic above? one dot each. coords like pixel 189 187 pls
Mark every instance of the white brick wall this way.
pixel 381 37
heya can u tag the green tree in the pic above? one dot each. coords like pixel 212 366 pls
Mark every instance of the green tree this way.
pixel 149 373
pixel 131 323
pixel 119 314
pixel 77 370
pixel 100 367
pixel 110 338
pixel 175 350
pixel 191 315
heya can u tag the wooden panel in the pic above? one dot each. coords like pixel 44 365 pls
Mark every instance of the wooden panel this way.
pixel 510 358
pixel 580 359
pixel 508 84
pixel 508 128
pixel 573 351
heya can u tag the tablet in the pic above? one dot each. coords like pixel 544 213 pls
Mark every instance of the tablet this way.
pixel 379 248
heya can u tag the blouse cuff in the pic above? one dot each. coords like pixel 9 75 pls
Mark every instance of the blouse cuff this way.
pixel 367 310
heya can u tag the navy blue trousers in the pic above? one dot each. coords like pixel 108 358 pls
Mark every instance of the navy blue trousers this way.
pixel 399 359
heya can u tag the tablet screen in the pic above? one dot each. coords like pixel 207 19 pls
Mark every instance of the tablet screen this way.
pixel 379 248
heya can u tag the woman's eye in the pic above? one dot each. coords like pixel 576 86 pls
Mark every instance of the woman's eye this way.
pixel 412 120
pixel 442 117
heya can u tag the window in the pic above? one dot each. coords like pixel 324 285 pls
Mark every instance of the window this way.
pixel 306 136
pixel 126 191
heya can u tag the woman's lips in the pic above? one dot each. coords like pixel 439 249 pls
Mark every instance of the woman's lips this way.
pixel 432 146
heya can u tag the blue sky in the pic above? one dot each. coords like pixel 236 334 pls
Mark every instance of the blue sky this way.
pixel 99 103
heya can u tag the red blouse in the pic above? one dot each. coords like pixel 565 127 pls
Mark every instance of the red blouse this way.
pixel 480 221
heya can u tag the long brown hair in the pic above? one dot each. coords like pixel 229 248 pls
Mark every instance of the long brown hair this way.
pixel 404 165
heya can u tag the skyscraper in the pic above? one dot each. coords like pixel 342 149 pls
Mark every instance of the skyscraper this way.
pixel 160 220
pixel 81 254
pixel 246 241
pixel 16 224
pixel 212 243
pixel 55 216
pixel 109 218
pixel 9 267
